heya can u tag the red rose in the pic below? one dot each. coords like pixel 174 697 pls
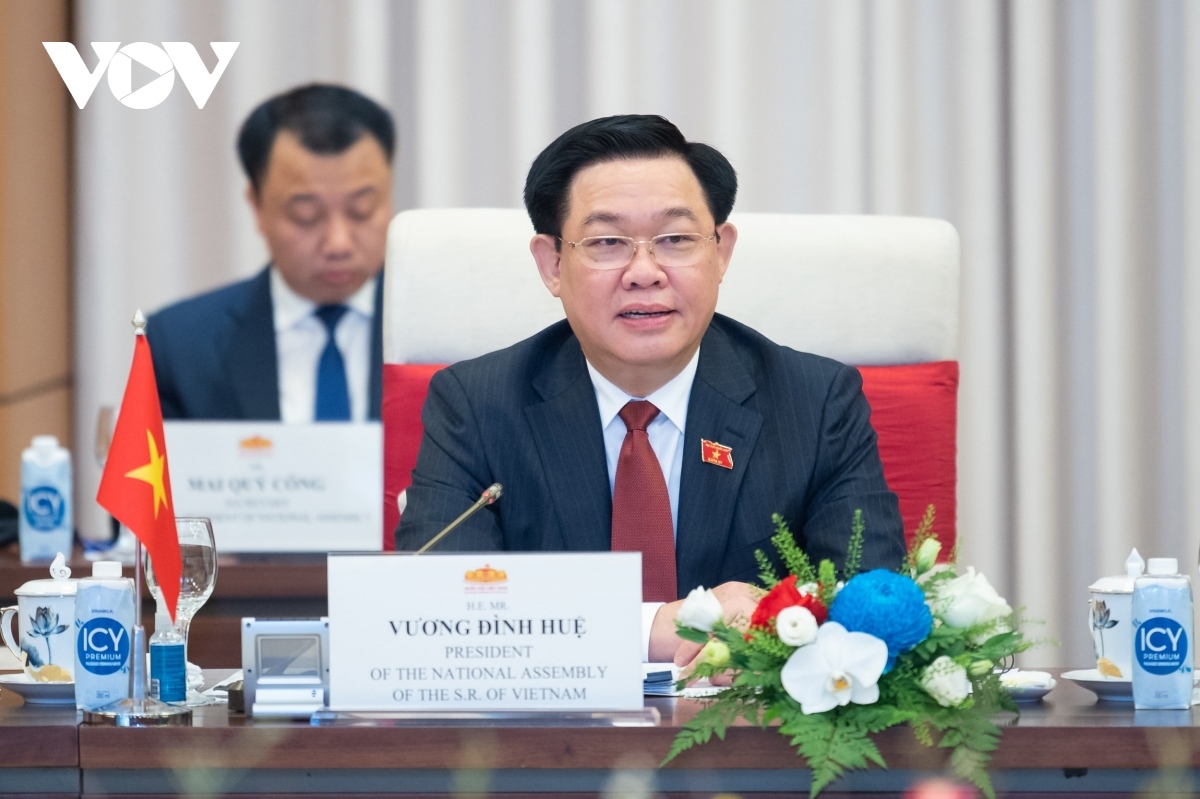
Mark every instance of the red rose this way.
pixel 815 607
pixel 785 595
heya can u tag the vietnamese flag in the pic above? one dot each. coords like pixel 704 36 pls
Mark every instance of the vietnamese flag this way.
pixel 136 487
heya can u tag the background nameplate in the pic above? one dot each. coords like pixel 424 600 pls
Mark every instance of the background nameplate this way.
pixel 274 487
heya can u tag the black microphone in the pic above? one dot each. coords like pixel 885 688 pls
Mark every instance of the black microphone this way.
pixel 489 495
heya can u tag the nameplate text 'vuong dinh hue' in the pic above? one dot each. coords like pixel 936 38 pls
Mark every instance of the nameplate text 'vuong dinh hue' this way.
pixel 489 631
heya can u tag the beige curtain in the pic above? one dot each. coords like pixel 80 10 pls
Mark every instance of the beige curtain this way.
pixel 1052 134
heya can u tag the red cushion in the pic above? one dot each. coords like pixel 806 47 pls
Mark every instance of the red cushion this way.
pixel 404 390
pixel 914 410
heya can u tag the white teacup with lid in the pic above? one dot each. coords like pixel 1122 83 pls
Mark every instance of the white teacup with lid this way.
pixel 45 613
pixel 1110 614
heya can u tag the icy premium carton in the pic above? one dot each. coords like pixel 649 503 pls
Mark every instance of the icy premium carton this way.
pixel 103 636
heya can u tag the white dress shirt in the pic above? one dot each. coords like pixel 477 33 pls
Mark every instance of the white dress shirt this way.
pixel 666 439
pixel 299 339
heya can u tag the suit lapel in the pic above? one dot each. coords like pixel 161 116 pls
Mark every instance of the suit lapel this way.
pixel 375 383
pixel 708 493
pixel 566 431
pixel 252 361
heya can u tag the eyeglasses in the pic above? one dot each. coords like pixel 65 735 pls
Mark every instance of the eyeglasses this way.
pixel 617 252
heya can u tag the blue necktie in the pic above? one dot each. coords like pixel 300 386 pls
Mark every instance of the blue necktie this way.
pixel 333 395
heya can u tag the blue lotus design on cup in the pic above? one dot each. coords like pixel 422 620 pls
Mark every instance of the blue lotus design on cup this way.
pixel 33 658
pixel 44 624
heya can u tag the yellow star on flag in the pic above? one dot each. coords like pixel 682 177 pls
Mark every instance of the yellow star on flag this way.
pixel 152 473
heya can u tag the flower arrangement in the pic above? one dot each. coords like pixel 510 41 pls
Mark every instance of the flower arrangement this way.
pixel 834 658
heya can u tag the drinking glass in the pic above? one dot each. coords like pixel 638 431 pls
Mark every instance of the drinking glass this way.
pixel 197 577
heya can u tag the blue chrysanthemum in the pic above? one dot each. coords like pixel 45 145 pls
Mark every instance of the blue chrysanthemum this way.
pixel 887 605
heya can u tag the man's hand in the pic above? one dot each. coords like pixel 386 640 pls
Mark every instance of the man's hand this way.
pixel 737 601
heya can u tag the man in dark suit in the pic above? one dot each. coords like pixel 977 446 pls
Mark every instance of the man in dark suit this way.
pixel 644 421
pixel 301 340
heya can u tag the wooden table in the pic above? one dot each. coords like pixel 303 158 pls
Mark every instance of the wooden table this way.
pixel 1069 745
pixel 270 586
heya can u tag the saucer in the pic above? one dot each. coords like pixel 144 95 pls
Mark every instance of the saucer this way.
pixel 1111 688
pixel 38 693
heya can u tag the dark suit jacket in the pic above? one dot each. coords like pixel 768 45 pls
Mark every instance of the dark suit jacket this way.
pixel 526 417
pixel 214 355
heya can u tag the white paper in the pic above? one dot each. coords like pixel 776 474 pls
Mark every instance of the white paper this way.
pixel 485 632
pixel 273 487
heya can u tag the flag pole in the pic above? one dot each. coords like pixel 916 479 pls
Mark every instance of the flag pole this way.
pixel 138 710
pixel 137 671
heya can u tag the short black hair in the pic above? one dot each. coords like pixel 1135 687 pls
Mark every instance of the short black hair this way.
pixel 548 184
pixel 327 119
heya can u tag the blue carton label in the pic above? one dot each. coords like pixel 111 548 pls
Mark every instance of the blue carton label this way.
pixel 44 508
pixel 168 672
pixel 1161 645
pixel 103 646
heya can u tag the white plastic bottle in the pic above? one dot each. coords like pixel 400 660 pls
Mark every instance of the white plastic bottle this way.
pixel 103 636
pixel 1162 631
pixel 46 521
pixel 168 666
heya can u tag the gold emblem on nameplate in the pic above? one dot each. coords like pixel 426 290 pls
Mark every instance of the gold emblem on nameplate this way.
pixel 255 445
pixel 486 575
pixel 485 580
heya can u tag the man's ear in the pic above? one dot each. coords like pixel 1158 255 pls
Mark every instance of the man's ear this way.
pixel 255 201
pixel 728 234
pixel 549 261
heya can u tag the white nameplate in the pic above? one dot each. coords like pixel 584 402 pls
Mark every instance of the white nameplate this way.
pixel 489 631
pixel 273 487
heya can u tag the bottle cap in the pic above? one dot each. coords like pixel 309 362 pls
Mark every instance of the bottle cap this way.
pixel 106 569
pixel 45 442
pixel 1163 566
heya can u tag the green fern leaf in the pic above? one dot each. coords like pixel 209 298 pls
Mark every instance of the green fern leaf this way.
pixel 971 765
pixel 794 557
pixel 766 570
pixel 855 547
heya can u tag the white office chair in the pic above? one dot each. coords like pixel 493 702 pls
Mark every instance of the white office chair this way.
pixel 864 290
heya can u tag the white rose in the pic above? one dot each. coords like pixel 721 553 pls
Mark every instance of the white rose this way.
pixel 701 610
pixel 796 626
pixel 969 599
pixel 946 682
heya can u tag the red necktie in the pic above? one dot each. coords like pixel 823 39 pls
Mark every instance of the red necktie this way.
pixel 641 517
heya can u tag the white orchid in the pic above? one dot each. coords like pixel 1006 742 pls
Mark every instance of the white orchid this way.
pixel 838 668
pixel 796 625
pixel 701 610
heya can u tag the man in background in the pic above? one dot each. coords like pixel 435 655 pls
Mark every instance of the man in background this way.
pixel 300 341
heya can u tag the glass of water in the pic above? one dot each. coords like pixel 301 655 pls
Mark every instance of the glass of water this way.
pixel 197 577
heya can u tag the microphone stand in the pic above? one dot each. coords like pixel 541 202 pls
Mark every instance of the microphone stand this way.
pixel 489 495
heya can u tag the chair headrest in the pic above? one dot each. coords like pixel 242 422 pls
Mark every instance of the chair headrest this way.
pixel 860 289
pixel 863 290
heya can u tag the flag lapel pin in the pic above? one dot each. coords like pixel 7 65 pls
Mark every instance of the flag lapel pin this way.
pixel 716 454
